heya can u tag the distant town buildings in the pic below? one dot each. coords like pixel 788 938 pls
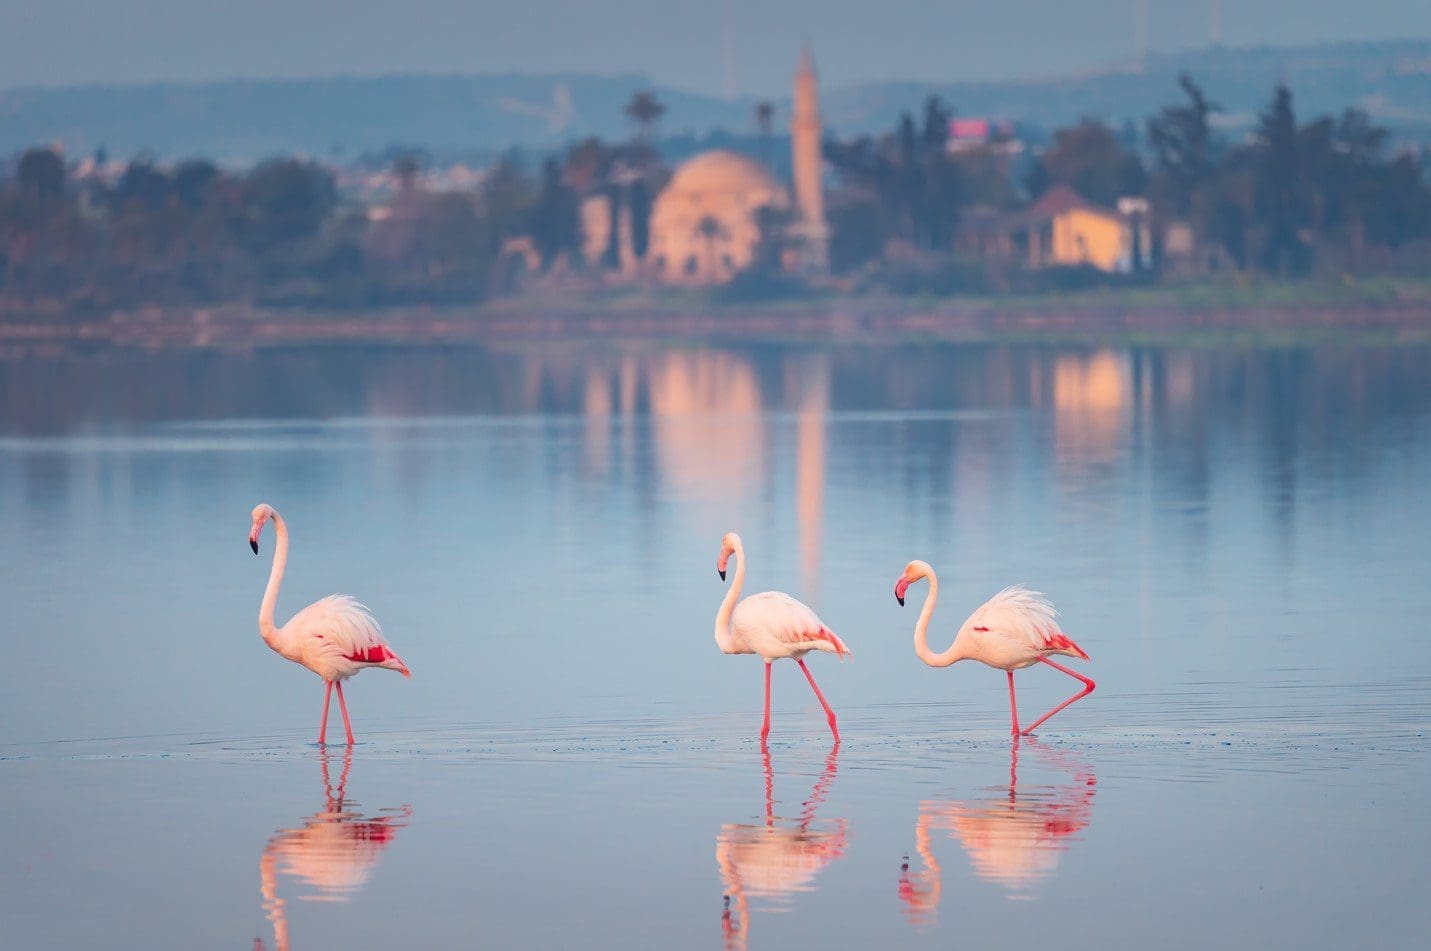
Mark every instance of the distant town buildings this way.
pixel 969 134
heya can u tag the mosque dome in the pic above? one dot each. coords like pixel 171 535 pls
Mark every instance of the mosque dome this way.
pixel 704 227
pixel 722 171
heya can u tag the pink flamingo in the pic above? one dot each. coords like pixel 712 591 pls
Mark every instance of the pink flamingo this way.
pixel 334 637
pixel 1012 630
pixel 773 625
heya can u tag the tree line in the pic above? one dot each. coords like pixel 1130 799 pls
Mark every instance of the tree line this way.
pixel 1290 198
pixel 1293 197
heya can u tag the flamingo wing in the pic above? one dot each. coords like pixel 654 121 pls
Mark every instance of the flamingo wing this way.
pixel 777 615
pixel 1025 617
pixel 341 624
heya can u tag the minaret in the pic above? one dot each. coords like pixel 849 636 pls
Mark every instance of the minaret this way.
pixel 806 163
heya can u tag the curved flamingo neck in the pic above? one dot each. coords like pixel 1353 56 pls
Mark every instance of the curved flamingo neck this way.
pixel 724 639
pixel 921 629
pixel 275 578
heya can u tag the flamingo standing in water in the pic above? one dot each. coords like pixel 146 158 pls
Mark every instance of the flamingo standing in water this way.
pixel 1012 630
pixel 334 637
pixel 773 625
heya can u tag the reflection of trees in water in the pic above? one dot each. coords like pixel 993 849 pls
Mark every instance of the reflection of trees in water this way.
pixel 1170 405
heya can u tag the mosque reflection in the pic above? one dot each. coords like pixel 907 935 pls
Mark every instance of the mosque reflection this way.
pixel 1013 839
pixel 775 860
pixel 329 856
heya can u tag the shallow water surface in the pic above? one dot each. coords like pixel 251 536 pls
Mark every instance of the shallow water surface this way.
pixel 1232 535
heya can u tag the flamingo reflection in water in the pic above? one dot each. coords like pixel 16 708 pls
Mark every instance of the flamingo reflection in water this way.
pixel 1014 838
pixel 777 859
pixel 333 852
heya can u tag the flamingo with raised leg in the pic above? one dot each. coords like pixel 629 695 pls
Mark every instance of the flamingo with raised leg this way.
pixel 1016 628
pixel 773 625
pixel 334 637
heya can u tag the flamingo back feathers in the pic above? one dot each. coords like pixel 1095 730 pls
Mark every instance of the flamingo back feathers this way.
pixel 343 624
pixel 1026 617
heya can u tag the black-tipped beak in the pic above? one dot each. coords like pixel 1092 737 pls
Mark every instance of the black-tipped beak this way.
pixel 253 543
pixel 900 600
pixel 721 572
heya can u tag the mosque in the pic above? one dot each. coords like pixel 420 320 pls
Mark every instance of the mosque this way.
pixel 705 224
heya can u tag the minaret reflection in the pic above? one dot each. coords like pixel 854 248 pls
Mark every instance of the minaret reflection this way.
pixel 810 377
pixel 1014 839
pixel 778 859
pixel 332 853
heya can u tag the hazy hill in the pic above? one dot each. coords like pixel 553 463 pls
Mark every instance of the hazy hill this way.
pixel 247 119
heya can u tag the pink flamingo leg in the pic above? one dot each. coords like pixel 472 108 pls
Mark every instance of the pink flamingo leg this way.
pixel 1013 704
pixel 1088 686
pixel 323 723
pixel 343 705
pixel 829 714
pixel 765 727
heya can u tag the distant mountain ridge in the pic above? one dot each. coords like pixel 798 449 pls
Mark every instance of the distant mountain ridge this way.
pixel 241 121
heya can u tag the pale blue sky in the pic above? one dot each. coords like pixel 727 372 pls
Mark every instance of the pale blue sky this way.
pixel 677 42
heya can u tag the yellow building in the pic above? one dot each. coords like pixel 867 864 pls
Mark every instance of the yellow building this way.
pixel 1062 229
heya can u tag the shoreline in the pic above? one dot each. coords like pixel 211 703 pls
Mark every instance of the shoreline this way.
pixel 1080 318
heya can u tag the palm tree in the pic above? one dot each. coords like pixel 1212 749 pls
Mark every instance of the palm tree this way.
pixel 645 110
pixel 711 230
pixel 764 114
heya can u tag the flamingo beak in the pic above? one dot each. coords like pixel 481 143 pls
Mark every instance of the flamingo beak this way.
pixel 253 543
pixel 721 572
pixel 253 537
pixel 721 562
pixel 901 586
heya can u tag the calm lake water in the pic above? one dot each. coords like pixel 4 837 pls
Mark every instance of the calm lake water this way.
pixel 1236 536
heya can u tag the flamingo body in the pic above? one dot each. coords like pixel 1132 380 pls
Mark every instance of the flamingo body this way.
pixel 775 625
pixel 334 637
pixel 1014 629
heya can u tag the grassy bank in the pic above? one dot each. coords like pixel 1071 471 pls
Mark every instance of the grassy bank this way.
pixel 1379 310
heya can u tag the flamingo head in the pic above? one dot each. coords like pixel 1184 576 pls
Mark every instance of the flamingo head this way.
pixel 912 573
pixel 729 545
pixel 261 514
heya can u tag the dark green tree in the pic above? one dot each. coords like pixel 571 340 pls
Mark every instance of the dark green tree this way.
pixel 1280 208
pixel 645 112
pixel 556 221
pixel 764 124
pixel 1090 159
pixel 41 173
